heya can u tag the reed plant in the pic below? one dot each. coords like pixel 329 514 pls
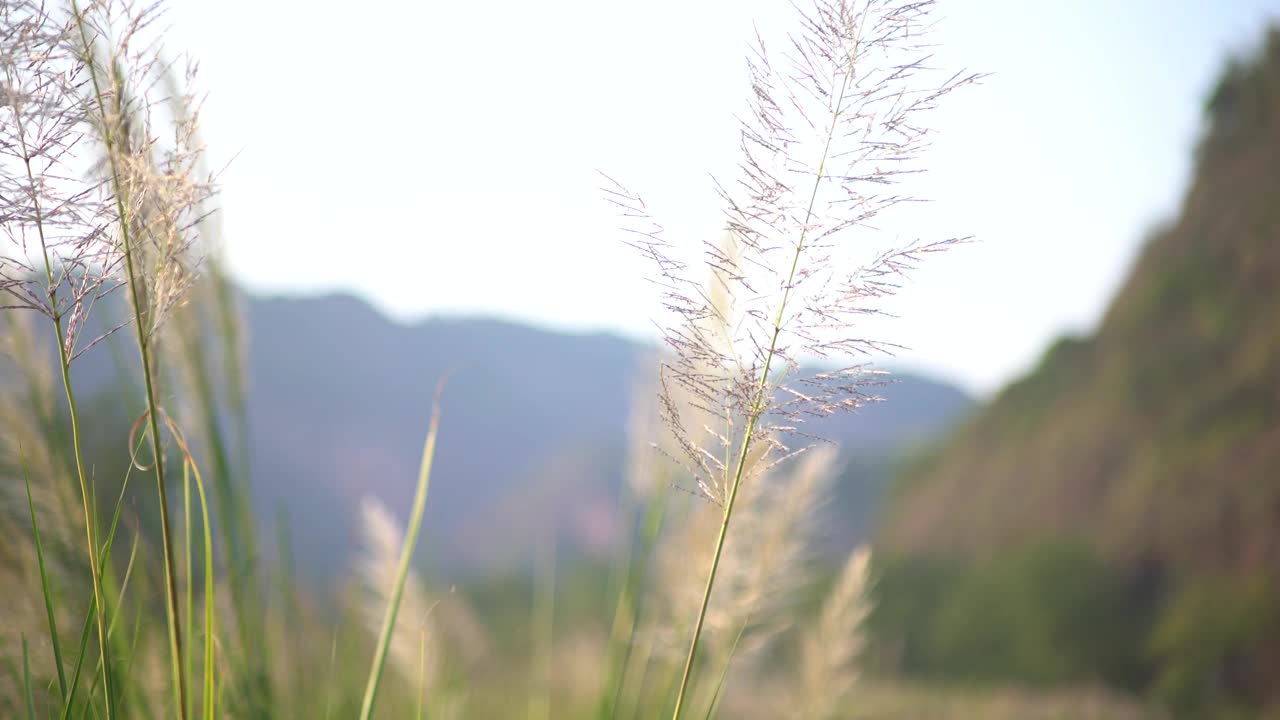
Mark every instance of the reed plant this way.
pixel 104 198
pixel 835 121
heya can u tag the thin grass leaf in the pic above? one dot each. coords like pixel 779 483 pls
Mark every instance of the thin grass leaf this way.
pixel 718 691
pixel 190 600
pixel 124 584
pixel 638 567
pixel 210 628
pixel 138 618
pixel 75 671
pixel 406 559
pixel 44 585
pixel 129 686
pixel 105 554
pixel 191 470
pixel 26 681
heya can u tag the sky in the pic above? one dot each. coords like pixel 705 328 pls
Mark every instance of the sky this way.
pixel 442 157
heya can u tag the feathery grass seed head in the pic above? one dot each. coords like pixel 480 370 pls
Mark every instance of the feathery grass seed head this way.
pixel 836 120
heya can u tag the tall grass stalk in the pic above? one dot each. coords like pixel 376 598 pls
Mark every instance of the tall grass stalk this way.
pixel 54 309
pixel 86 495
pixel 113 118
pixel 91 615
pixel 213 313
pixel 715 562
pixel 406 561
pixel 134 282
pixel 757 407
pixel 823 138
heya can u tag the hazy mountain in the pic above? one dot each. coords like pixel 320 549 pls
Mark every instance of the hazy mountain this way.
pixel 534 426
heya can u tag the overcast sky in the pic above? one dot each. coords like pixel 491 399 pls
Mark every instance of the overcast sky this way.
pixel 440 157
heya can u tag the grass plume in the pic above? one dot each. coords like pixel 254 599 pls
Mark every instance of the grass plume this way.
pixel 829 131
pixel 833 645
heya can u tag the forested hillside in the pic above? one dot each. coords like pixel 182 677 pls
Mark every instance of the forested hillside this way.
pixel 1126 493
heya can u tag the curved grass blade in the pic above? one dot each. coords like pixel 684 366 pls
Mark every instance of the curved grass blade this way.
pixel 406 559
pixel 191 470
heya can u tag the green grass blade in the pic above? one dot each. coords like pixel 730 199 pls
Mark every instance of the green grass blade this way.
pixel 191 471
pixel 124 585
pixel 75 671
pixel 44 584
pixel 406 559
pixel 235 524
pixel 632 593
pixel 93 691
pixel 190 601
pixel 717 693
pixel 115 514
pixel 209 600
pixel 105 555
pixel 124 221
pixel 26 681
